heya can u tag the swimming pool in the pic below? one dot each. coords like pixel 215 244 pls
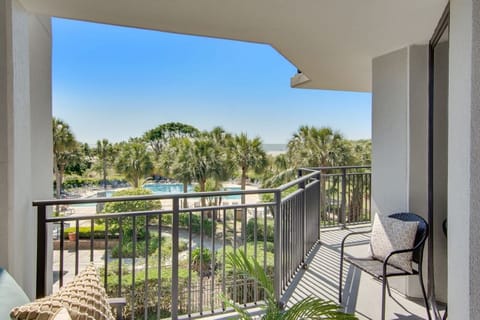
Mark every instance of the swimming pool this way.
pixel 167 188
pixel 160 189
pixel 172 188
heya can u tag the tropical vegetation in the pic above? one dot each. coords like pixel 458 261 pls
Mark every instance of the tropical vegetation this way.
pixel 182 153
pixel 207 159
pixel 309 308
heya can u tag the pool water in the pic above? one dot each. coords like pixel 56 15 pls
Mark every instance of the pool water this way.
pixel 161 188
pixel 167 188
pixel 171 188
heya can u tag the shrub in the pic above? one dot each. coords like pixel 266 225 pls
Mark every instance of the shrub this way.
pixel 260 226
pixel 140 296
pixel 243 290
pixel 84 232
pixel 127 248
pixel 129 206
pixel 207 227
pixel 201 260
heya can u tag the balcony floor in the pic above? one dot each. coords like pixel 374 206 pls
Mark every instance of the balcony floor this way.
pixel 363 294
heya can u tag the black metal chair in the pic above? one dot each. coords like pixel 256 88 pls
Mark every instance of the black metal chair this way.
pixel 382 269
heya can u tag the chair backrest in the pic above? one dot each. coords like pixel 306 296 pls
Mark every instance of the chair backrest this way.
pixel 422 232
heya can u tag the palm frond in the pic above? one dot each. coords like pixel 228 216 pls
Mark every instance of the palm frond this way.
pixel 309 308
pixel 243 315
pixel 315 308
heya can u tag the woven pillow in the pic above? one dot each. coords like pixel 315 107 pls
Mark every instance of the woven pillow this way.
pixel 390 234
pixel 84 298
pixel 62 314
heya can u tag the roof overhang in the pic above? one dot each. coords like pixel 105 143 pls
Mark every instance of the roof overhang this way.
pixel 331 41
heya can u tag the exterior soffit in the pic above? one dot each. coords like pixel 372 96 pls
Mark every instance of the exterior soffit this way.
pixel 331 41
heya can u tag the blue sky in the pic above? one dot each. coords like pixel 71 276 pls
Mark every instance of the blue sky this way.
pixel 115 83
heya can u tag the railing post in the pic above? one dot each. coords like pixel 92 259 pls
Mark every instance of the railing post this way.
pixel 41 250
pixel 175 241
pixel 277 281
pixel 319 205
pixel 301 185
pixel 344 198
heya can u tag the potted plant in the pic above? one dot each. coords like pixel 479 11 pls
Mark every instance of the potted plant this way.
pixel 72 236
pixel 309 308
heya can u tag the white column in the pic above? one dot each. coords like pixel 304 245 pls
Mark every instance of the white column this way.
pixel 25 140
pixel 464 161
pixel 400 148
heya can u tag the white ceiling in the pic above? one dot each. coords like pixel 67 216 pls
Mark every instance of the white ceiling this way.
pixel 331 41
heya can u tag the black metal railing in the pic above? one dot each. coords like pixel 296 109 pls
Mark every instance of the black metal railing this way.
pixel 345 195
pixel 171 261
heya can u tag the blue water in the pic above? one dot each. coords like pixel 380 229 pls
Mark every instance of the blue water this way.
pixel 163 188
pixel 167 188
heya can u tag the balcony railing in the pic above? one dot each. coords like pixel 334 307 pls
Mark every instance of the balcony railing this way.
pixel 171 262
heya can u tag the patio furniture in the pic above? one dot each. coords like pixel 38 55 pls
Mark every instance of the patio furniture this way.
pixel 11 294
pixel 391 232
pixel 82 298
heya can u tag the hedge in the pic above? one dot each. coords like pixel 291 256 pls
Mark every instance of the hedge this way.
pixel 138 298
pixel 84 232
pixel 260 226
pixel 207 227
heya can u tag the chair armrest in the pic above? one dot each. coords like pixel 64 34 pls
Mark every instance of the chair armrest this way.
pixel 342 248
pixel 419 244
pixel 397 252
pixel 352 234
pixel 118 304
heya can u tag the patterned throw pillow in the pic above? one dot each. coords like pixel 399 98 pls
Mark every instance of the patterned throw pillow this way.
pixel 389 234
pixel 62 314
pixel 84 298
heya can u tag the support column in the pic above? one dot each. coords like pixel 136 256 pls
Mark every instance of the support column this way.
pixel 400 146
pixel 26 137
pixel 464 161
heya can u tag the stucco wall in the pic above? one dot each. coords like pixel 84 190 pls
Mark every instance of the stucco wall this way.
pixel 41 117
pixel 400 149
pixel 460 276
pixel 3 134
pixel 389 132
pixel 25 142
pixel 390 137
pixel 418 142
pixel 475 167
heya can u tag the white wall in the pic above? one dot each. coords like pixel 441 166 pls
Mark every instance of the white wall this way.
pixel 459 159
pixel 41 118
pixel 390 132
pixel 464 162
pixel 390 137
pixel 475 167
pixel 3 137
pixel 25 142
pixel 400 146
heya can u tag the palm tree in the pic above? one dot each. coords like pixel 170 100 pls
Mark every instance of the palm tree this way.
pixel 206 161
pixel 178 158
pixel 105 153
pixel 64 146
pixel 309 308
pixel 134 161
pixel 226 167
pixel 279 170
pixel 318 147
pixel 159 137
pixel 247 155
